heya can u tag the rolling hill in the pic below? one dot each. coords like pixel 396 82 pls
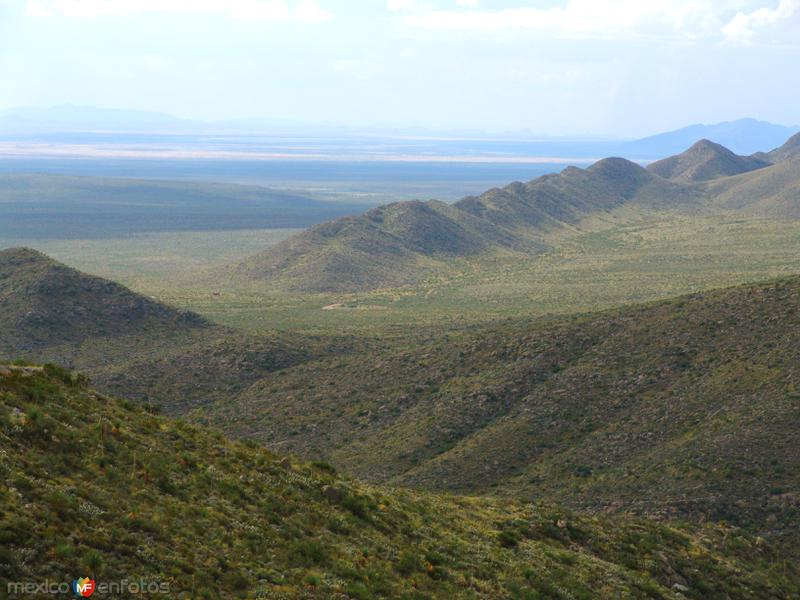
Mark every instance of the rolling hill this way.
pixel 127 342
pixel 562 200
pixel 405 242
pixel 401 243
pixel 44 303
pixel 772 193
pixel 687 407
pixel 390 245
pixel 100 488
pixel 704 161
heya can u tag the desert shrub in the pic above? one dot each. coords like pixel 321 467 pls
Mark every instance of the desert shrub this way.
pixel 357 505
pixel 93 560
pixel 308 552
pixel 508 539
pixel 409 562
pixel 323 466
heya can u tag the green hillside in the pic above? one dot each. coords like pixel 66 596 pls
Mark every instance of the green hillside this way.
pixel 686 407
pixel 44 303
pixel 98 487
pixel 388 246
pixel 772 193
pixel 564 199
pixel 406 243
pixel 130 343
pixel 401 243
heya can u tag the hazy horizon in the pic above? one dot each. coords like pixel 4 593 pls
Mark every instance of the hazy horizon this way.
pixel 554 67
pixel 67 112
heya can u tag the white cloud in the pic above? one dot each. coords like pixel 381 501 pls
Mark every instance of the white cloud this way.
pixel 744 27
pixel 309 11
pixel 624 19
pixel 407 5
pixel 251 10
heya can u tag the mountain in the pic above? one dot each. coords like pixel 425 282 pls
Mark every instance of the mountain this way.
pixel 789 151
pixel 391 245
pixel 405 242
pixel 69 117
pixel 401 243
pixel 562 200
pixel 704 161
pixel 127 342
pixel 39 206
pixel 44 303
pixel 100 488
pixel 744 136
pixel 686 408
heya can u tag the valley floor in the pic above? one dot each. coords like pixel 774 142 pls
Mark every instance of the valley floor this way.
pixel 616 261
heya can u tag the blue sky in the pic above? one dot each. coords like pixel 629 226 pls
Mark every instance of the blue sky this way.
pixel 558 67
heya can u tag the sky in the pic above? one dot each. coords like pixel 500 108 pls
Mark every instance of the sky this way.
pixel 554 67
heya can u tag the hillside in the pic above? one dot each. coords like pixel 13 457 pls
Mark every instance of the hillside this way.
pixel 401 243
pixel 704 161
pixel 391 245
pixel 128 342
pixel 788 151
pixel 44 303
pixel 97 487
pixel 562 200
pixel 406 242
pixel 773 192
pixel 687 407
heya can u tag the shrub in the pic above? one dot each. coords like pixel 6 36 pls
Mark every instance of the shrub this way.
pixel 93 560
pixel 408 563
pixel 308 552
pixel 323 466
pixel 356 505
pixel 508 539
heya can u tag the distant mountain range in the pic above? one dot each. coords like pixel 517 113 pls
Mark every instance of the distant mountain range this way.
pixel 404 242
pixel 743 136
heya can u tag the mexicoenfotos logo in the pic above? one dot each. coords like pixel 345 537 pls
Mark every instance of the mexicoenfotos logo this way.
pixel 83 587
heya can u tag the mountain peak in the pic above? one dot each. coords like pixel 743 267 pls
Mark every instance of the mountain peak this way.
pixel 616 166
pixel 22 254
pixel 707 145
pixel 704 161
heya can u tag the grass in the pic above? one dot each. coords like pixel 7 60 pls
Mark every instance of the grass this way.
pixel 149 260
pixel 616 264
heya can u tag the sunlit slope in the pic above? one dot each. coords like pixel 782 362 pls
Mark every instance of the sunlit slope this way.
pixel 97 487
